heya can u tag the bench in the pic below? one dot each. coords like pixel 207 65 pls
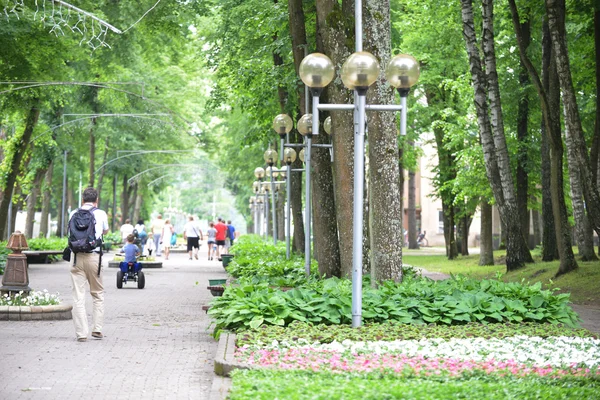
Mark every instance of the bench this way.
pixel 41 256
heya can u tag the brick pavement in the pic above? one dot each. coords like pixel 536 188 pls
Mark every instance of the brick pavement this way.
pixel 157 345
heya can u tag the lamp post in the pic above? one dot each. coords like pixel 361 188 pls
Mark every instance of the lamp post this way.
pixel 264 190
pixel 270 157
pixel 259 172
pixel 289 156
pixel 282 124
pixel 305 127
pixel 359 72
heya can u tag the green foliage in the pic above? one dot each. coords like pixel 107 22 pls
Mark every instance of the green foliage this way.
pixel 270 384
pixel 417 301
pixel 390 330
pixel 52 243
pixel 261 261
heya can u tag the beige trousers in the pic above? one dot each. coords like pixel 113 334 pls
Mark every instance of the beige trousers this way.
pixel 86 270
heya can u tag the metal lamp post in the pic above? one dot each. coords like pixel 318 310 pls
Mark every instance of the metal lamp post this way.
pixel 359 72
pixel 289 156
pixel 270 157
pixel 259 172
pixel 305 127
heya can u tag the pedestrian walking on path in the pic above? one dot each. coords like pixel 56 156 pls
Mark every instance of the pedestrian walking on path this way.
pixel 85 269
pixel 193 234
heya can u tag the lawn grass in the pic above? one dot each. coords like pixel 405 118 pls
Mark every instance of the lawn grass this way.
pixel 583 284
pixel 291 385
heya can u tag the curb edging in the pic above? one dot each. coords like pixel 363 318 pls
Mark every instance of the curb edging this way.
pixel 36 313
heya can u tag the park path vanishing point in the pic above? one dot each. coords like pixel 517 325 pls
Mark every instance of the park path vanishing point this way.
pixel 157 345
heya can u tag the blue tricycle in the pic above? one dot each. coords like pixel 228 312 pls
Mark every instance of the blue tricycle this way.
pixel 130 271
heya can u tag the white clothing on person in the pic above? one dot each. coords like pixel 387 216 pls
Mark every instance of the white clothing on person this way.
pixel 191 229
pixel 126 230
pixel 167 232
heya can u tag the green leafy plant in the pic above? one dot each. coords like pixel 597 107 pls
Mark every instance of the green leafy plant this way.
pixel 391 330
pixel 415 301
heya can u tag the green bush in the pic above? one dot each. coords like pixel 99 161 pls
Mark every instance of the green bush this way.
pixel 265 262
pixel 416 301
pixel 52 243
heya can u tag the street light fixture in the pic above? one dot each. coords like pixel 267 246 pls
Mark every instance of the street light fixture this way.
pixel 282 124
pixel 402 72
pixel 327 125
pixel 359 72
pixel 270 157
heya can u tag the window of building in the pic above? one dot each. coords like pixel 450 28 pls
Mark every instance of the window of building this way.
pixel 440 221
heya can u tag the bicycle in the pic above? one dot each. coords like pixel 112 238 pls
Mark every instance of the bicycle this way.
pixel 422 240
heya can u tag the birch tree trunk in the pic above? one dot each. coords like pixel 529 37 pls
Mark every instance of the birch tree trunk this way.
pixel 556 12
pixel 494 143
pixel 385 205
pixel 334 31
pixel 46 197
pixel 583 235
pixel 486 245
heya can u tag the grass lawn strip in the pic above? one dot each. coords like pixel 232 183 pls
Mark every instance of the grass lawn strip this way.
pixel 299 385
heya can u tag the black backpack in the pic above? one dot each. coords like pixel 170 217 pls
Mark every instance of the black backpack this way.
pixel 82 231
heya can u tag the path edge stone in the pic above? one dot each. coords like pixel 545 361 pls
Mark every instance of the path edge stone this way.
pixel 36 313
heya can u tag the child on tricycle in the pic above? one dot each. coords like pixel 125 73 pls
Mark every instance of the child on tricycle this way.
pixel 130 268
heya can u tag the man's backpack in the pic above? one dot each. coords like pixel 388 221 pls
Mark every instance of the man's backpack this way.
pixel 82 231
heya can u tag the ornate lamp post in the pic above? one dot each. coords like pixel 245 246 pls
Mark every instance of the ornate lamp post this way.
pixel 358 73
pixel 289 156
pixel 259 172
pixel 270 157
pixel 16 277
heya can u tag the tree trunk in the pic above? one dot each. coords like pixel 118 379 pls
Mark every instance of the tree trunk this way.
pixel 537 231
pixel 412 211
pixel 32 201
pixel 465 223
pixel 584 236
pixel 523 136
pixel 385 205
pixel 47 196
pixel 449 234
pixel 298 34
pixel 115 222
pixel 137 207
pixel 486 245
pixel 15 164
pixel 494 144
pixel 102 205
pixel 334 32
pixel 556 14
pixel 549 95
pixel 125 195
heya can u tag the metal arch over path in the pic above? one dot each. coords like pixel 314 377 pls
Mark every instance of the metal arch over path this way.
pixel 103 85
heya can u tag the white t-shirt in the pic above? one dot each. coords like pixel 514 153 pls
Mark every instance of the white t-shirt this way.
pixel 191 229
pixel 101 220
pixel 126 229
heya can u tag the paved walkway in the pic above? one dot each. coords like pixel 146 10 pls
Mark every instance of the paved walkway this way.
pixel 157 345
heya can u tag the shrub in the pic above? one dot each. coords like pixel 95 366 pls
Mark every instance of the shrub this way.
pixel 417 301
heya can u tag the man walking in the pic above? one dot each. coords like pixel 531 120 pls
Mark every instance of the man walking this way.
pixel 220 237
pixel 193 235
pixel 85 268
